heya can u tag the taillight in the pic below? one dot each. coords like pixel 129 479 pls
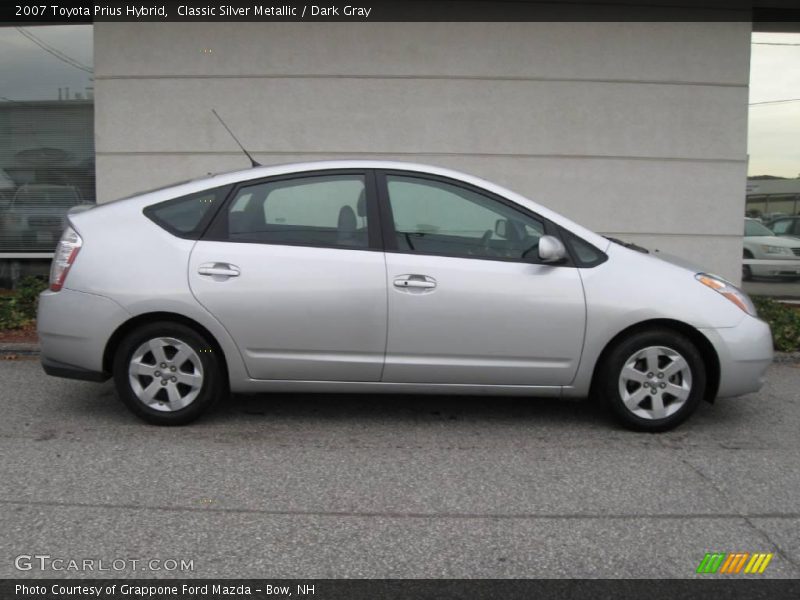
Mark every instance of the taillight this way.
pixel 65 254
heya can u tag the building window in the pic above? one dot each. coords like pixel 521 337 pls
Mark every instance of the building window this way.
pixel 46 136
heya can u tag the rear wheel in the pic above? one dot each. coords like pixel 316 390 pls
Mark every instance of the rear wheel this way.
pixel 653 380
pixel 167 373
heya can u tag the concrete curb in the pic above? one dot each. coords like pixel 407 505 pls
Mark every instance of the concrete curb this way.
pixel 19 348
pixel 787 357
pixel 33 349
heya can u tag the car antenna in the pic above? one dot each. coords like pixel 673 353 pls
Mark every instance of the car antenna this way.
pixel 252 160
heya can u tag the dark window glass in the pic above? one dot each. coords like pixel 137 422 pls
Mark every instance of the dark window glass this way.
pixel 585 254
pixel 433 217
pixel 313 211
pixel 46 133
pixel 782 227
pixel 186 216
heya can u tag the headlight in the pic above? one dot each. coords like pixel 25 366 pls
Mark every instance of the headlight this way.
pixel 775 250
pixel 730 291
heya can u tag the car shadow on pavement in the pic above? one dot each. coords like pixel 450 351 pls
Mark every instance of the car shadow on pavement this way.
pixel 404 409
pixel 293 410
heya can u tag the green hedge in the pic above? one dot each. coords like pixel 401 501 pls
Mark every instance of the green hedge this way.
pixel 784 321
pixel 19 308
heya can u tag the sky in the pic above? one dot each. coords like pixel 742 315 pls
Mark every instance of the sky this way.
pixel 774 129
pixel 27 72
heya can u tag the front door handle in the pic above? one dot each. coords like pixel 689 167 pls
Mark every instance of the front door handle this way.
pixel 415 281
pixel 219 270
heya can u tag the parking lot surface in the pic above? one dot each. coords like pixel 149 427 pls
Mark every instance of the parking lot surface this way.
pixel 393 486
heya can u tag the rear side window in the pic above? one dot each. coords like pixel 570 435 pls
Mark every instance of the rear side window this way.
pixel 188 216
pixel 327 211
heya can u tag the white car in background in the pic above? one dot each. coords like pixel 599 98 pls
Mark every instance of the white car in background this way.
pixel 761 243
pixel 37 215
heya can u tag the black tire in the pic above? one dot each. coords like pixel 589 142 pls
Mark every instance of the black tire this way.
pixel 611 373
pixel 213 385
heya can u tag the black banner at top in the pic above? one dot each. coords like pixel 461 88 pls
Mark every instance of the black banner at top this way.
pixel 27 12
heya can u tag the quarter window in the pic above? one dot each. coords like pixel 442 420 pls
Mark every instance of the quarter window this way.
pixel 433 217
pixel 315 211
pixel 186 216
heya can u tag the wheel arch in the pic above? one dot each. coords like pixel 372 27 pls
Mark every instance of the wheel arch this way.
pixel 151 317
pixel 703 345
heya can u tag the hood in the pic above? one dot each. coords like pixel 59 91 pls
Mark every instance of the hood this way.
pixel 679 261
pixel 658 254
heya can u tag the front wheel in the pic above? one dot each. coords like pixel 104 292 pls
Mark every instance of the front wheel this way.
pixel 167 374
pixel 653 380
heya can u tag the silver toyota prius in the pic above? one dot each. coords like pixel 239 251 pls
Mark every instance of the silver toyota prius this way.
pixel 374 277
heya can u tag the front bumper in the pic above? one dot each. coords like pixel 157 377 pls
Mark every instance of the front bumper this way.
pixel 745 352
pixel 74 328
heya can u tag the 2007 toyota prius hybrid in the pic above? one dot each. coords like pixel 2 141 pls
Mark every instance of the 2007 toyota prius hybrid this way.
pixel 372 276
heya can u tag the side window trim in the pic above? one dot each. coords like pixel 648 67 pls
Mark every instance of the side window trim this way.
pixel 217 230
pixel 390 235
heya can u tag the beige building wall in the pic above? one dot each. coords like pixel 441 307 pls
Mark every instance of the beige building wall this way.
pixel 638 130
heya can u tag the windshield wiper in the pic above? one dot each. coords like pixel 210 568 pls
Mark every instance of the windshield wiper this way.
pixel 630 245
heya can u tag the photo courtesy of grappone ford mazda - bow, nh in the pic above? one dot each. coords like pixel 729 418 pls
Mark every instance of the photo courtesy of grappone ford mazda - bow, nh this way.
pixel 374 276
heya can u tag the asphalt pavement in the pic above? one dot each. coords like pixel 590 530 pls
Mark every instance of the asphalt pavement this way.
pixel 301 486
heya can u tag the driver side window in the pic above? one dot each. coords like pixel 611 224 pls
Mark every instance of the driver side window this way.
pixel 433 217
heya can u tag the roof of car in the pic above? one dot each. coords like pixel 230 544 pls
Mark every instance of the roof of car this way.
pixel 321 165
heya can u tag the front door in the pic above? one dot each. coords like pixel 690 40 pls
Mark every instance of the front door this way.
pixel 468 301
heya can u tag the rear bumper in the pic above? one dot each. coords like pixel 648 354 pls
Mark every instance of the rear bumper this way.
pixel 59 369
pixel 74 328
pixel 745 352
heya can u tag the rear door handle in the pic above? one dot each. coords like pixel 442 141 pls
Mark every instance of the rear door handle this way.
pixel 219 270
pixel 415 281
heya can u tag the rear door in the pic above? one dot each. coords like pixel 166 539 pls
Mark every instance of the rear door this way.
pixel 293 268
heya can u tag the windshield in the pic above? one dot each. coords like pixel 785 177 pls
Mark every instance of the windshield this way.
pixel 754 228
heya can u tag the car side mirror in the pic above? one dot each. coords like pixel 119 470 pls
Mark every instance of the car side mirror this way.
pixel 551 250
pixel 501 228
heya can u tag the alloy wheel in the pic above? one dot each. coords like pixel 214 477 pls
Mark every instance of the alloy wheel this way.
pixel 165 374
pixel 655 382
